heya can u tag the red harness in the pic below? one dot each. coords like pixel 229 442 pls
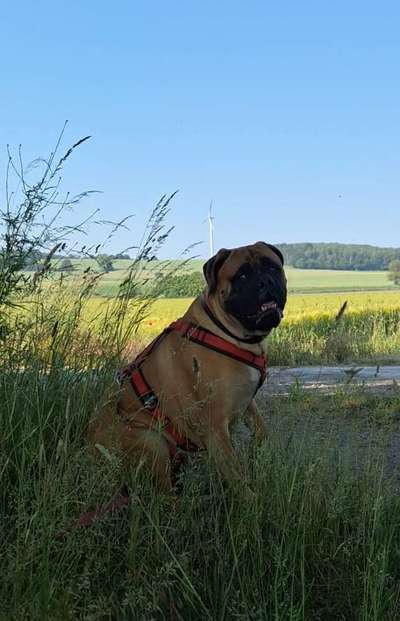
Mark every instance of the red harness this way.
pixel 198 335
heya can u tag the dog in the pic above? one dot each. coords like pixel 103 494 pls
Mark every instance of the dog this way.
pixel 184 392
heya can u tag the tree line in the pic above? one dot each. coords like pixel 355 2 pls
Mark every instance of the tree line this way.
pixel 335 256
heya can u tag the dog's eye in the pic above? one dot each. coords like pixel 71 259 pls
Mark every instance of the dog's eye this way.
pixel 243 277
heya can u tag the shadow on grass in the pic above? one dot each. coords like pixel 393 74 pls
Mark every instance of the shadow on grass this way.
pixel 320 541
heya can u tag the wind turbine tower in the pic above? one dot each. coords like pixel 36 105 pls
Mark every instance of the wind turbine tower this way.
pixel 211 230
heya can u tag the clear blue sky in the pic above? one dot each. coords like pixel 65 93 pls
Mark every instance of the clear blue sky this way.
pixel 286 114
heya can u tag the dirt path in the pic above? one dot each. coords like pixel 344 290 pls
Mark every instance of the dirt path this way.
pixel 358 440
pixel 325 380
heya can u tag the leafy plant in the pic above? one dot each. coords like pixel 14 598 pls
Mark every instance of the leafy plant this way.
pixel 105 262
pixel 66 265
pixel 184 285
pixel 394 272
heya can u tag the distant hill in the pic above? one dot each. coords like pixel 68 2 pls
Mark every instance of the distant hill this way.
pixel 338 256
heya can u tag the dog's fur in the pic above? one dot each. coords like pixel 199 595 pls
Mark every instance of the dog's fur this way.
pixel 201 391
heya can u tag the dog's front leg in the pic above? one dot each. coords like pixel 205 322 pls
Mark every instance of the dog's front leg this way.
pixel 256 423
pixel 223 455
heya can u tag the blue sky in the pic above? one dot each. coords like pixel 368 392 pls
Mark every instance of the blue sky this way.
pixel 286 114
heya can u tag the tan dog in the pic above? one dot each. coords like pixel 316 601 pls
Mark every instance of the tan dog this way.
pixel 198 391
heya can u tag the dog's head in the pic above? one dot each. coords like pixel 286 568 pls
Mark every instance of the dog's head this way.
pixel 248 284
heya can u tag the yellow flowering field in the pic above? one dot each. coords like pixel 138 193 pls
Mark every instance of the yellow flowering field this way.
pixel 369 329
pixel 299 307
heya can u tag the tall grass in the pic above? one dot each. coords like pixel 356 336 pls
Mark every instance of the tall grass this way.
pixel 369 336
pixel 320 541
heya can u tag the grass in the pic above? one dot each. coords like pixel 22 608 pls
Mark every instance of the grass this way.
pixel 367 337
pixel 320 542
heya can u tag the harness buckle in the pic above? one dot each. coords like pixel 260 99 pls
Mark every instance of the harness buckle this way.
pixel 150 402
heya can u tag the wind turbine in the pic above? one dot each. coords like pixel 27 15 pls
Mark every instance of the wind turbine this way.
pixel 211 230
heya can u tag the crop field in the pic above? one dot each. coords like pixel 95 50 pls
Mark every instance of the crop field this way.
pixel 309 334
pixel 299 280
pixel 299 307
pixel 368 331
pixel 334 280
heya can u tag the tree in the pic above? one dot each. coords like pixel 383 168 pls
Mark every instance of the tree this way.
pixel 338 256
pixel 31 262
pixel 122 255
pixel 105 262
pixel 183 285
pixel 394 272
pixel 66 265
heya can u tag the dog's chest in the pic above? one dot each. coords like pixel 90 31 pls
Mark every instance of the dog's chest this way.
pixel 228 386
pixel 189 376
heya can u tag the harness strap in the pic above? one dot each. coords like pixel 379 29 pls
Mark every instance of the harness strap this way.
pixel 150 401
pixel 208 339
pixel 148 397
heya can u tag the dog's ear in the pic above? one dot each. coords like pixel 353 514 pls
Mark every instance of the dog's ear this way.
pixel 212 267
pixel 275 250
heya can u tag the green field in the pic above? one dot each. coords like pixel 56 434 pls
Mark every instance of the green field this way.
pixel 334 280
pixel 299 281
